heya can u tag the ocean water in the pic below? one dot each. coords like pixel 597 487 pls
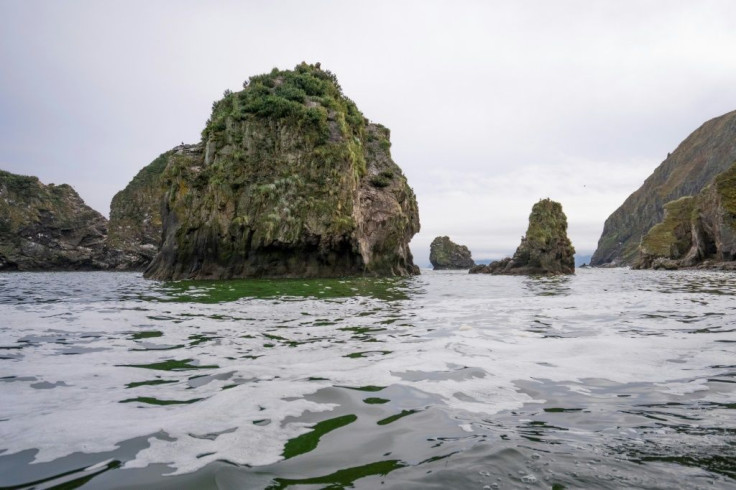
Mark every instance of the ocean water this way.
pixel 611 378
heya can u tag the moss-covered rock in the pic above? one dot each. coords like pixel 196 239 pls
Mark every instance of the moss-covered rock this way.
pixel 705 153
pixel 670 239
pixel 545 249
pixel 135 213
pixel 49 227
pixel 445 254
pixel 695 230
pixel 290 180
pixel 135 225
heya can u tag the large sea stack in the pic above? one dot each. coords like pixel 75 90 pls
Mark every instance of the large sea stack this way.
pixel 544 250
pixel 707 152
pixel 289 180
pixel 49 227
pixel 696 230
pixel 446 254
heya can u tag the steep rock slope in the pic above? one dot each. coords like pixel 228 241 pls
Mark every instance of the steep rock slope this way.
pixel 135 213
pixel 545 249
pixel 49 227
pixel 704 154
pixel 446 254
pixel 290 180
pixel 695 229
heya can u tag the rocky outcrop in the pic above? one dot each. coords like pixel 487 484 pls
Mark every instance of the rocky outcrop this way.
pixel 545 249
pixel 49 227
pixel 135 213
pixel 290 180
pixel 696 230
pixel 704 154
pixel 445 254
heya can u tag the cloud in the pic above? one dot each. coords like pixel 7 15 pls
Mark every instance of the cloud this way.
pixel 491 105
pixel 488 211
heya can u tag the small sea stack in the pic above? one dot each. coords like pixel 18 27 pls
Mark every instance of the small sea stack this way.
pixel 444 254
pixel 544 250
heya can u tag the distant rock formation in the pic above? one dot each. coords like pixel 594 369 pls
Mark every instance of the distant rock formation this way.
pixel 290 180
pixel 545 249
pixel 49 227
pixel 445 254
pixel 135 213
pixel 696 230
pixel 707 152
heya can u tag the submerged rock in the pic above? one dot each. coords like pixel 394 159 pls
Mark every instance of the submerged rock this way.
pixel 290 180
pixel 705 153
pixel 445 254
pixel 49 227
pixel 545 249
pixel 696 230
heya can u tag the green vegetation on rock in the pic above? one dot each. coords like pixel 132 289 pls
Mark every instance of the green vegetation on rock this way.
pixel 445 254
pixel 545 249
pixel 48 227
pixel 705 153
pixel 694 229
pixel 672 237
pixel 290 180
pixel 135 214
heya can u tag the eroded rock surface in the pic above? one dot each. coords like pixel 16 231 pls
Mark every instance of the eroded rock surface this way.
pixel 49 227
pixel 446 254
pixel 696 230
pixel 290 180
pixel 135 225
pixel 705 153
pixel 545 249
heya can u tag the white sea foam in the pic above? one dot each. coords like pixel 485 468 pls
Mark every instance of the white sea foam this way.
pixel 469 348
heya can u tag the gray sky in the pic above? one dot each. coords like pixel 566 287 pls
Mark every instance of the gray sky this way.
pixel 492 105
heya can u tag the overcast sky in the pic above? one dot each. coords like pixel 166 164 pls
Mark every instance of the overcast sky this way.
pixel 491 105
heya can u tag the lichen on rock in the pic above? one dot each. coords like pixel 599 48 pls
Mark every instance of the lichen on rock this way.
pixel 49 227
pixel 696 231
pixel 135 213
pixel 445 254
pixel 289 180
pixel 545 249
pixel 705 153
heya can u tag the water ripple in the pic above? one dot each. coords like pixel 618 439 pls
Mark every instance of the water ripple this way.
pixel 607 379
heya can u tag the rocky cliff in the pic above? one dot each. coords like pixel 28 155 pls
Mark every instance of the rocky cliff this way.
pixel 446 254
pixel 289 180
pixel 49 227
pixel 704 154
pixel 135 213
pixel 545 249
pixel 695 229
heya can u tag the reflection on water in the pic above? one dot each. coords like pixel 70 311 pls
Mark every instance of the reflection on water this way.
pixel 388 289
pixel 548 286
pixel 606 379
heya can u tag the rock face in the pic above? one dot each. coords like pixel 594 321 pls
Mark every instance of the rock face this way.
pixel 49 227
pixel 545 249
pixel 445 254
pixel 695 229
pixel 290 180
pixel 704 154
pixel 135 213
